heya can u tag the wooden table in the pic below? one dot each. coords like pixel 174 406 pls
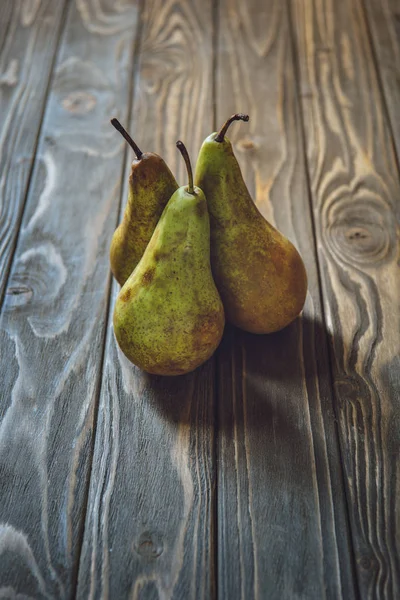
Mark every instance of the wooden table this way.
pixel 273 471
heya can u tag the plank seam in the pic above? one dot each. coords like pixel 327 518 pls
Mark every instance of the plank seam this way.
pixel 386 112
pixel 215 45
pixel 18 223
pixel 135 53
pixel 296 72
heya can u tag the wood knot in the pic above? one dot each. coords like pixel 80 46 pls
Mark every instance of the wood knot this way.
pixel 346 391
pixel 79 103
pixel 246 144
pixel 150 544
pixel 358 233
pixel 361 232
pixel 18 295
pixel 368 563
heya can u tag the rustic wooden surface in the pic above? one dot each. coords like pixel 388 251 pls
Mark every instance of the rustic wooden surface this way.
pixel 279 475
pixel 53 319
pixel 355 191
pixel 29 35
pixel 273 470
pixel 383 19
pixel 149 527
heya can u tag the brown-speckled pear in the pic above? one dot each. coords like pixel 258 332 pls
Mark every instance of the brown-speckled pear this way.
pixel 151 185
pixel 259 274
pixel 168 317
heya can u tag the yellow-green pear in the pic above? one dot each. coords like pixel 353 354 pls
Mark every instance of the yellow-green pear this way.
pixel 168 316
pixel 151 185
pixel 259 274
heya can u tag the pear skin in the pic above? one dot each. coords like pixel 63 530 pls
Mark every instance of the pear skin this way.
pixel 168 316
pixel 259 274
pixel 151 185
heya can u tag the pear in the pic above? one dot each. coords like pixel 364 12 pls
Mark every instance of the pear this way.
pixel 168 316
pixel 151 185
pixel 258 272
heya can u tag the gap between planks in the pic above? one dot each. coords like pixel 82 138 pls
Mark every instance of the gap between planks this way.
pixel 135 55
pixel 296 71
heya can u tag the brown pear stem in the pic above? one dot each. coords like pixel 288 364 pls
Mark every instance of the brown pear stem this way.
pixel 224 128
pixel 128 138
pixel 182 149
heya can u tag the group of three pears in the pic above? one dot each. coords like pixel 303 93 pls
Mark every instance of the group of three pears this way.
pixel 187 257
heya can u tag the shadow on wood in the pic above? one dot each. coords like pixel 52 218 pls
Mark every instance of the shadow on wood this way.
pixel 164 394
pixel 263 369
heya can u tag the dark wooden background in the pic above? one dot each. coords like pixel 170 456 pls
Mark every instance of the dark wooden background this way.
pixel 273 471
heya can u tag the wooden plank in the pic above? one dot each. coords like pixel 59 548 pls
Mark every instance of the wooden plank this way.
pixel 149 526
pixel 282 528
pixel 53 321
pixel 29 34
pixel 355 193
pixel 383 17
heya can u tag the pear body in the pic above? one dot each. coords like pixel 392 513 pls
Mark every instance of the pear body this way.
pixel 151 185
pixel 259 274
pixel 168 316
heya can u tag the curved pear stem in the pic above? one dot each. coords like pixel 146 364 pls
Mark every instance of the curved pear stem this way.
pixel 225 126
pixel 128 138
pixel 182 149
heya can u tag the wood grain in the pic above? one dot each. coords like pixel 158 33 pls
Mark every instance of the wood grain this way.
pixel 29 34
pixel 282 529
pixel 53 321
pixel 383 17
pixel 355 192
pixel 149 527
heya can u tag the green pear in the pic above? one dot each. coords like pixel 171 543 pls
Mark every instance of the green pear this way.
pixel 168 316
pixel 151 185
pixel 258 272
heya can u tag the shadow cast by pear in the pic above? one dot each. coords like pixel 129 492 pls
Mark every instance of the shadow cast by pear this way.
pixel 255 376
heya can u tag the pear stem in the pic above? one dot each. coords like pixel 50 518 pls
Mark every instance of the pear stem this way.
pixel 182 149
pixel 128 138
pixel 224 128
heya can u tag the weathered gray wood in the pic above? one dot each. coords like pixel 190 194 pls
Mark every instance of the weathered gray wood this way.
pixel 355 194
pixel 53 319
pixel 282 529
pixel 149 526
pixel 383 17
pixel 29 32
